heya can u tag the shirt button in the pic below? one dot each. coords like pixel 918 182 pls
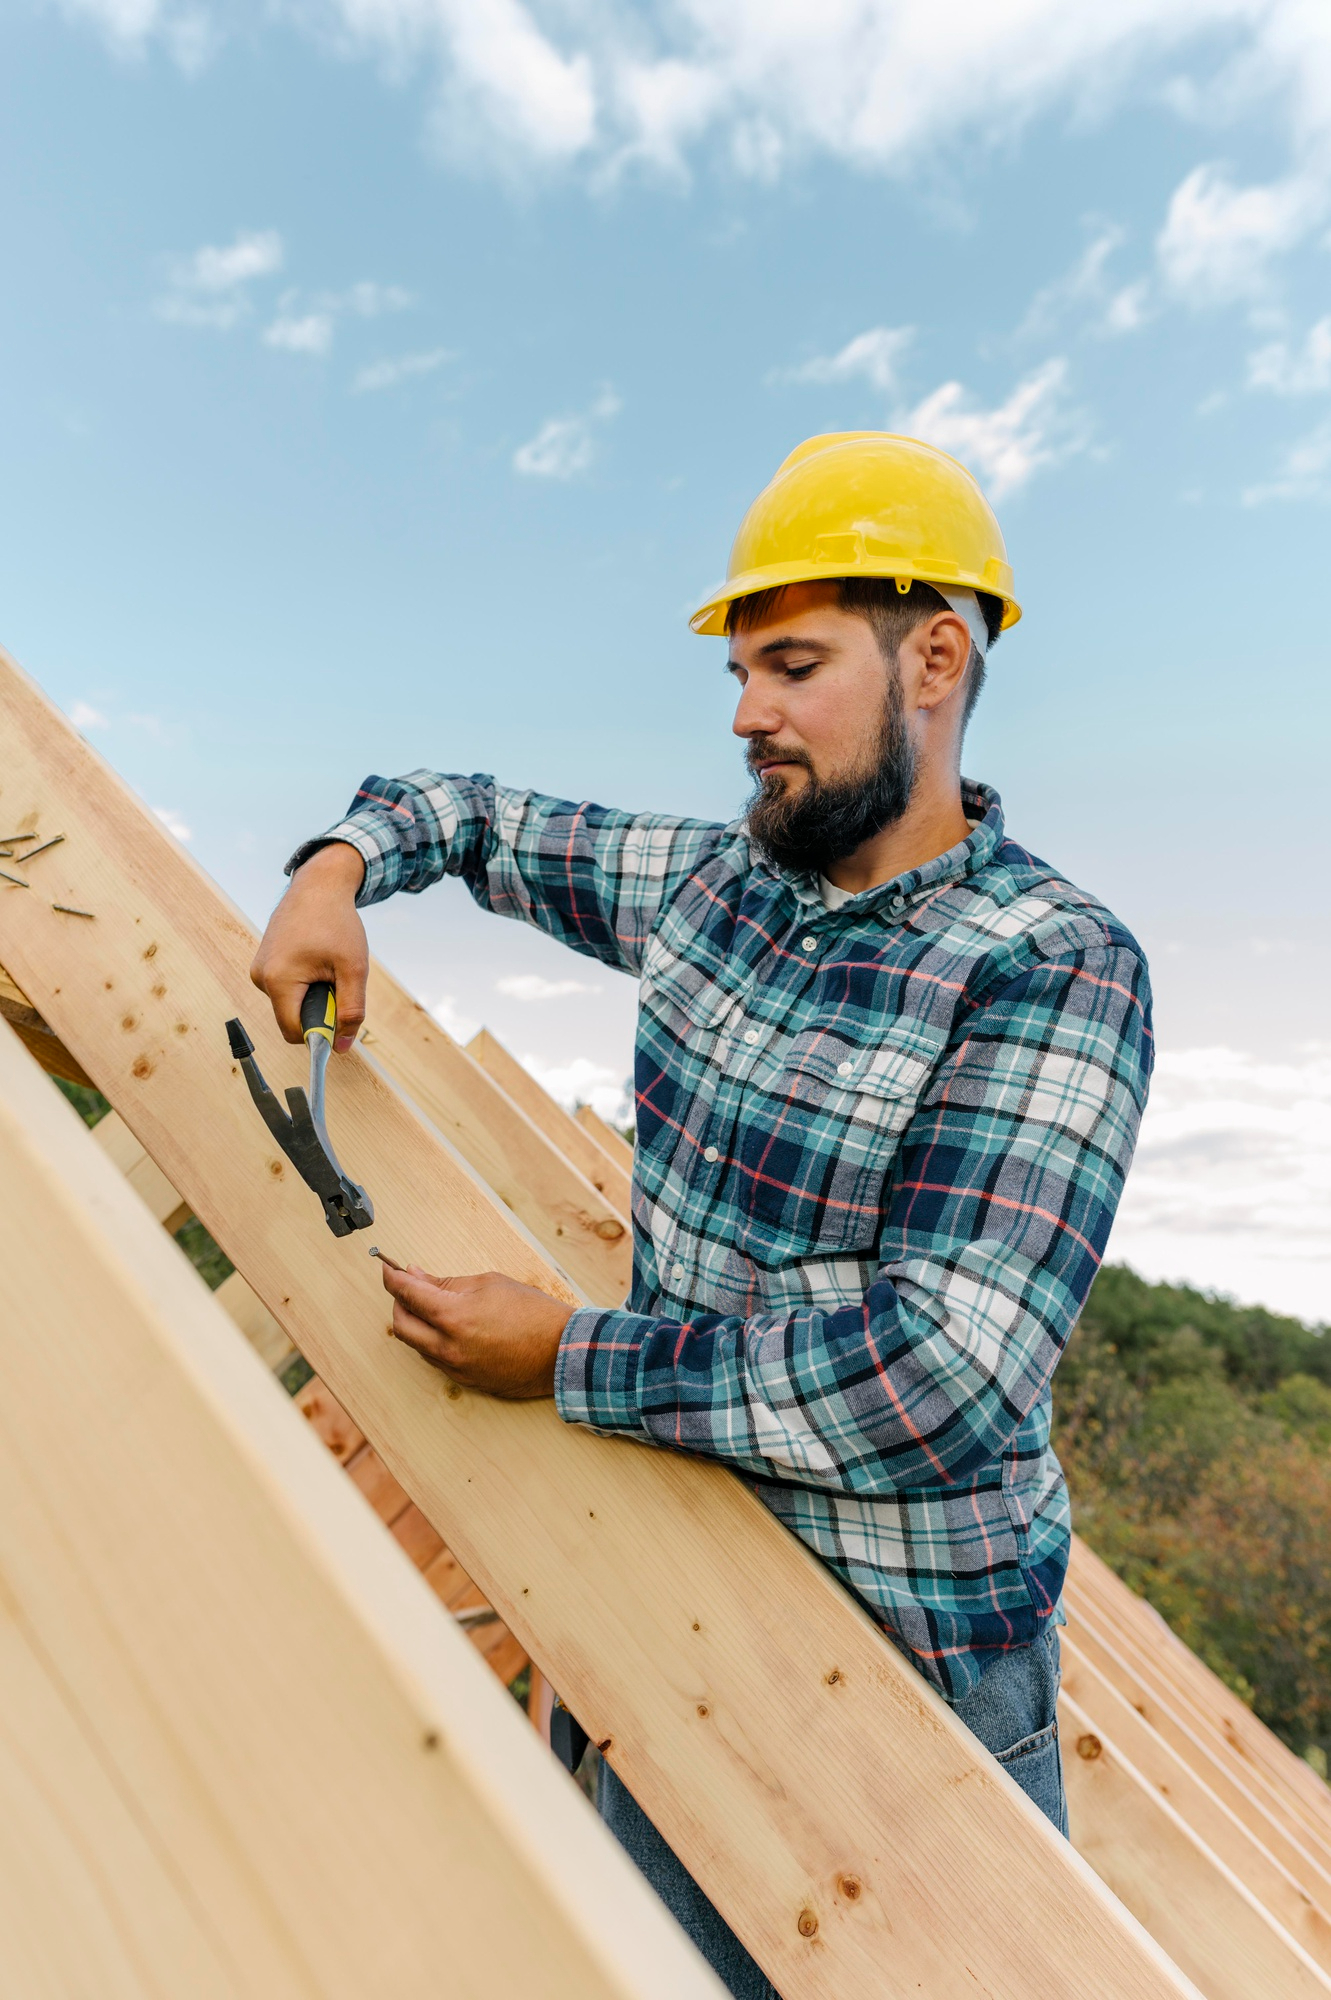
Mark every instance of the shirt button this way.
pixel 808 944
pixel 750 1034
pixel 844 1069
pixel 711 1155
pixel 677 1273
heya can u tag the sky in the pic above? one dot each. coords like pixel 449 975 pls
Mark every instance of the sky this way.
pixel 383 381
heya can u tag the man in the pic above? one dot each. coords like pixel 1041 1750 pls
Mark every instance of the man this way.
pixel 889 1074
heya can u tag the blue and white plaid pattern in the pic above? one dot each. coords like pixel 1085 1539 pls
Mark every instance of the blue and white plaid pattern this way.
pixel 879 1152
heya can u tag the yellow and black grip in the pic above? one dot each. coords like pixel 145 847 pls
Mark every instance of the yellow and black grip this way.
pixel 318 1012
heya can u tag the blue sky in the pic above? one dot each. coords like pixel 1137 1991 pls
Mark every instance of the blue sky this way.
pixel 383 380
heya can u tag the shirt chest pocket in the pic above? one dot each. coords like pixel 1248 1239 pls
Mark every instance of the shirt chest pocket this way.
pixel 818 1137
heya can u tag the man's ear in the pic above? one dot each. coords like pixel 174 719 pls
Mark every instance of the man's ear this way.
pixel 944 645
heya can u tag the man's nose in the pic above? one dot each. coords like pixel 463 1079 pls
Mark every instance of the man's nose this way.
pixel 756 713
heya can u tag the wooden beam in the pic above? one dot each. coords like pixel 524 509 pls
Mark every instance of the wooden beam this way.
pixel 559 1127
pixel 167 1828
pixel 572 1219
pixel 146 1178
pixel 1212 1925
pixel 1264 1813
pixel 1253 1745
pixel 246 1310
pixel 37 1038
pixel 832 1806
pixel 609 1141
pixel 1113 1719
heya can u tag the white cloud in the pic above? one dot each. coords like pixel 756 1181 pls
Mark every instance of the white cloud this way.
pixel 1301 372
pixel 367 300
pixel 387 374
pixel 173 823
pixel 1231 1189
pixel 1304 473
pixel 531 986
pixel 187 31
pixel 880 84
pixel 84 716
pixel 1218 240
pixel 454 1020
pixel 582 1081
pixel 872 356
pixel 305 333
pixel 1007 445
pixel 209 287
pixel 565 446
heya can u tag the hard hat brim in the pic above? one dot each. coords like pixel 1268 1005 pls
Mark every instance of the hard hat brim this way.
pixel 709 620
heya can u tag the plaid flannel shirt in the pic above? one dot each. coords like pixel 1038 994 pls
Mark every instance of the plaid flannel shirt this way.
pixel 879 1150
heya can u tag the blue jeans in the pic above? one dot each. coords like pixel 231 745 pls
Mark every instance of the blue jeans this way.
pixel 1012 1711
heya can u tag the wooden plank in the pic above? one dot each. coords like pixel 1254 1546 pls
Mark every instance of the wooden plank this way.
pixel 167 1831
pixel 1206 1754
pixel 146 1178
pixel 569 1217
pixel 559 1127
pixel 1251 1742
pixel 1196 1907
pixel 1180 1681
pixel 37 1038
pixel 245 1309
pixel 610 1142
pixel 1113 1719
pixel 832 1806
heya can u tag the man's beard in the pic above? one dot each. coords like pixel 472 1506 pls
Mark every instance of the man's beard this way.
pixel 827 819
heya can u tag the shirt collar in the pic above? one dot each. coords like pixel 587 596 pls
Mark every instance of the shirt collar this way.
pixel 981 804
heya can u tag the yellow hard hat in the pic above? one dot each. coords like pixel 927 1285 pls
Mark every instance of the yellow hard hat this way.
pixel 866 503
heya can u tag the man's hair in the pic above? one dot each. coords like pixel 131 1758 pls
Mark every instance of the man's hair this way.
pixel 890 613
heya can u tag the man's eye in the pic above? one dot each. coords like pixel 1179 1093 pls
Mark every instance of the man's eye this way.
pixel 800 673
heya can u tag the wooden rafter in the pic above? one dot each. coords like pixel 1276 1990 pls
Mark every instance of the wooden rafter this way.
pixel 275 1771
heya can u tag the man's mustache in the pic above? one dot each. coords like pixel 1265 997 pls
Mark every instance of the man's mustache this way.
pixel 766 750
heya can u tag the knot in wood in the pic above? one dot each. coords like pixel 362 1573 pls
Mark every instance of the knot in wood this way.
pixel 808 1923
pixel 1089 1747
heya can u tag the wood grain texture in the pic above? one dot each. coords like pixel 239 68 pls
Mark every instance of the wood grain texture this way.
pixel 169 1828
pixel 1115 1720
pixel 1213 1926
pixel 610 1142
pixel 559 1126
pixel 1192 1706
pixel 1253 1746
pixel 36 1036
pixel 150 1184
pixel 773 1735
pixel 572 1219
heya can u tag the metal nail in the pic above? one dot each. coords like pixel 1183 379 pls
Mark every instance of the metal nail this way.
pixel 17 879
pixel 33 852
pixel 64 908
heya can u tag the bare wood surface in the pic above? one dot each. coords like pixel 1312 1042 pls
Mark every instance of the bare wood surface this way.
pixel 559 1126
pixel 149 1183
pixel 1212 1925
pixel 611 1143
pixel 168 1829
pixel 36 1036
pixel 1114 1719
pixel 1265 1813
pixel 570 1218
pixel 1251 1743
pixel 843 1820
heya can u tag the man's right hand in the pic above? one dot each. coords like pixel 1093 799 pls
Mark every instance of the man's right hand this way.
pixel 316 933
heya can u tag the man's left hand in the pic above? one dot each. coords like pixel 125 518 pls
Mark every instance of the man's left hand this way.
pixel 487 1332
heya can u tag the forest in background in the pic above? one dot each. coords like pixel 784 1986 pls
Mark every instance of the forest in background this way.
pixel 1196 1438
